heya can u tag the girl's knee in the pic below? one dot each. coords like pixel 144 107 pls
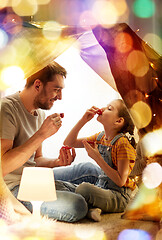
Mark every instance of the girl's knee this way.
pixel 84 189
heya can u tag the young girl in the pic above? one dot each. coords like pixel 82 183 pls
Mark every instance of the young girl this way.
pixel 113 152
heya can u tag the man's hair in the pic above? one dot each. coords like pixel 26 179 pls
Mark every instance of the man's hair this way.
pixel 45 74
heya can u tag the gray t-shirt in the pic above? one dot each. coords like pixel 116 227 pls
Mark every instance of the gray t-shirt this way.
pixel 19 125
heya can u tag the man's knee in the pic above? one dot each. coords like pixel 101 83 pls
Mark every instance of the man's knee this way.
pixel 69 207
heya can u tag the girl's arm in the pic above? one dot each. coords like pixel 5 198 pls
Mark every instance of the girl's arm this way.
pixel 71 139
pixel 118 176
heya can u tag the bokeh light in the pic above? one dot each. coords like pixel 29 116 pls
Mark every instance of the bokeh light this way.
pixel 12 23
pixel 144 8
pixel 81 234
pixel 3 3
pixel 26 7
pixel 141 114
pixel 3 86
pixel 105 13
pixel 42 2
pixel 3 38
pixel 121 6
pixel 137 63
pixel 144 85
pixel 34 238
pixel 9 3
pixel 155 41
pixel 51 30
pixel 144 196
pixel 152 143
pixel 134 96
pixel 134 234
pixel 22 47
pixel 12 75
pixel 3 227
pixel 152 175
pixel 123 42
pixel 87 20
pixel 92 234
pixel 8 55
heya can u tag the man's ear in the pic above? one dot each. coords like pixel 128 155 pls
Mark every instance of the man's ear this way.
pixel 37 84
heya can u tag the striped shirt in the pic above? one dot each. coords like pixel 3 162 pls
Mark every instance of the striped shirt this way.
pixel 121 150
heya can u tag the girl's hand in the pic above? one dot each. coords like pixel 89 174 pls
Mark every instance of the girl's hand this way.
pixel 92 151
pixel 89 114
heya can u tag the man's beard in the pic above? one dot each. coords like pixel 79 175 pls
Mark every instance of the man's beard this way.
pixel 38 103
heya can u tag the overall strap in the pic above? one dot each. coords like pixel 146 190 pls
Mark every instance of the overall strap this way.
pixel 103 180
pixel 112 143
pixel 116 138
pixel 100 135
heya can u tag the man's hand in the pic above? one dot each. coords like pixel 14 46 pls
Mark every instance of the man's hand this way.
pixel 66 157
pixel 50 125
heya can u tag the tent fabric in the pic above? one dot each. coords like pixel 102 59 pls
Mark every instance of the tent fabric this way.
pixel 94 55
pixel 134 88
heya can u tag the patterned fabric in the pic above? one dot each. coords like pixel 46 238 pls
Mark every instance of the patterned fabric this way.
pixel 6 208
pixel 122 149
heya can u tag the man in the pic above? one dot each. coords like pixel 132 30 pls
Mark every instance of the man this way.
pixel 24 128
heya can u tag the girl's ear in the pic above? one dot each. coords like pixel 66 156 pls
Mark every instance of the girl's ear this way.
pixel 120 121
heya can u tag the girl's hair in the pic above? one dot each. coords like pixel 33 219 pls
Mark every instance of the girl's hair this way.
pixel 128 126
pixel 45 75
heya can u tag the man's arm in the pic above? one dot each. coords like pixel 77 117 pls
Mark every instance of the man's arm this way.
pixel 13 158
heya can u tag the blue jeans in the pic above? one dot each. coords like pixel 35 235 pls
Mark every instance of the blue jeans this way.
pixel 69 206
pixel 82 172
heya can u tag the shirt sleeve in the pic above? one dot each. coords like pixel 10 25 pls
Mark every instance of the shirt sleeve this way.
pixel 126 151
pixel 93 138
pixel 8 122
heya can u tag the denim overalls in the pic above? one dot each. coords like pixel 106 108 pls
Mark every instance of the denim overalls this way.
pixel 104 181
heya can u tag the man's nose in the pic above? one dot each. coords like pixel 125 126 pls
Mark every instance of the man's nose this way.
pixel 59 95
